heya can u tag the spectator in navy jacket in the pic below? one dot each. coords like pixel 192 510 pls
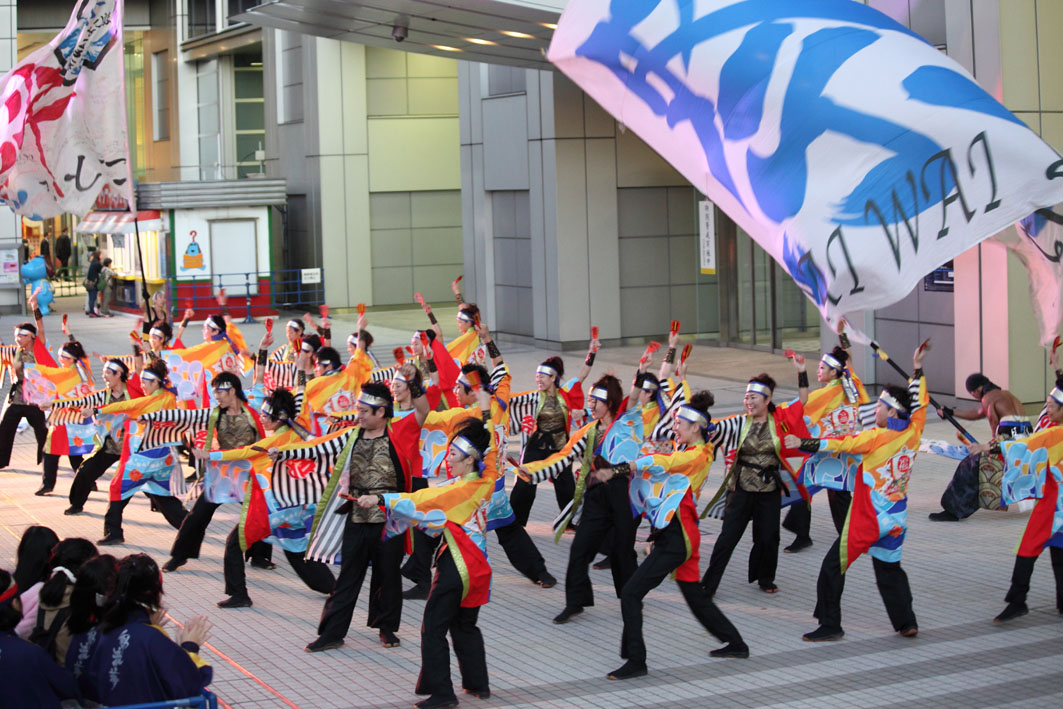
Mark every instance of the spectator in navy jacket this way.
pixel 135 661
pixel 28 676
pixel 94 579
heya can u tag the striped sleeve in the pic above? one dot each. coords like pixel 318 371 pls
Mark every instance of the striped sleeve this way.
pixel 191 418
pixel 327 448
pixel 663 429
pixel 68 411
pixel 497 374
pixel 293 485
pixel 521 406
pixel 280 374
pixel 725 432
pixel 550 468
pixel 384 375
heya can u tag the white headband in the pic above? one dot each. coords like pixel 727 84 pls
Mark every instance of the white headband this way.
pixel 224 386
pixel 399 378
pixel 158 333
pixel 24 331
pixel 67 572
pixel 758 388
pixel 689 413
pixel 295 324
pixel 600 394
pixel 212 325
pixel 114 367
pixel 352 338
pixel 370 400
pixel 649 385
pixel 464 381
pixel 148 374
pixel 464 445
pixel 462 315
pixel 1057 395
pixel 305 347
pixel 889 401
pixel 829 360
pixel 546 370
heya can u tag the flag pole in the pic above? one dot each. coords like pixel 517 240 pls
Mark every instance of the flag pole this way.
pixel 143 278
pixel 948 417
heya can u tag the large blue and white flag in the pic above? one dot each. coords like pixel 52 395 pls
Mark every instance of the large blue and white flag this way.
pixel 855 153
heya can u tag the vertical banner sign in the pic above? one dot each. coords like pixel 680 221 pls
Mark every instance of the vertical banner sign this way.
pixel 847 146
pixel 707 236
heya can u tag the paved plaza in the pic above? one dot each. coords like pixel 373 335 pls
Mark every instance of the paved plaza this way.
pixel 959 573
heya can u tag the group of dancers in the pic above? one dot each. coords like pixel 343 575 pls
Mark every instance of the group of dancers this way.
pixel 364 465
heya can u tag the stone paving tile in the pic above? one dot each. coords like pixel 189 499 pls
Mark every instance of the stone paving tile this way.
pixel 959 574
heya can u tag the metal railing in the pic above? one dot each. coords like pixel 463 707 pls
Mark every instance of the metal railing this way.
pixel 282 289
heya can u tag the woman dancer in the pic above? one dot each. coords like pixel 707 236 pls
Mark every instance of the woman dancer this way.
pixel 62 441
pixel 664 489
pixel 753 483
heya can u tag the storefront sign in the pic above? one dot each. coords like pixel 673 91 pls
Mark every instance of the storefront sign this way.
pixel 311 275
pixel 8 267
pixel 109 200
pixel 707 235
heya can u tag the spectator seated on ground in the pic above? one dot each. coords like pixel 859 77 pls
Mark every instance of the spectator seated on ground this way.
pixel 135 661
pixel 49 630
pixel 28 677
pixel 31 570
pixel 94 579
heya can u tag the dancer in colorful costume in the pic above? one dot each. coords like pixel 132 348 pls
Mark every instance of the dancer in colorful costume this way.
pixel 377 456
pixel 877 520
pixel 664 489
pixel 754 452
pixel 1032 471
pixel 832 410
pixel 598 507
pixel 462 582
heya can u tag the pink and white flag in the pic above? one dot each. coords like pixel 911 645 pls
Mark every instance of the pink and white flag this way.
pixel 63 118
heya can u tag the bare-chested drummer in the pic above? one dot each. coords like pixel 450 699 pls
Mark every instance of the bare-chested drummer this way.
pixel 976 482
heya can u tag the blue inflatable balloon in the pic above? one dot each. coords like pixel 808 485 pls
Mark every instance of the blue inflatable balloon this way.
pixel 35 273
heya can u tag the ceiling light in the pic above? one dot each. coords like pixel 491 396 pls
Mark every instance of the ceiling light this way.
pixel 518 35
pixel 445 48
pixel 477 40
pixel 549 25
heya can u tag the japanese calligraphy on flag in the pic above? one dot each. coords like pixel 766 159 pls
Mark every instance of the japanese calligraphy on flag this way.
pixel 63 118
pixel 854 152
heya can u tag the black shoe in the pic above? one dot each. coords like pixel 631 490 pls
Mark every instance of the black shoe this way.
pixel 798 545
pixel 416 593
pixel 603 563
pixel 263 564
pixel 479 693
pixel 546 580
pixel 1013 611
pixel 630 670
pixel 173 564
pixel 110 541
pixel 323 644
pixel 73 510
pixel 389 639
pixel 823 634
pixel 437 703
pixel 731 650
pixel 43 490
pixel 943 516
pixel 236 602
pixel 566 615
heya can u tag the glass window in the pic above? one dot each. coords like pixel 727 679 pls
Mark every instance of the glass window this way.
pixel 201 17
pixel 160 93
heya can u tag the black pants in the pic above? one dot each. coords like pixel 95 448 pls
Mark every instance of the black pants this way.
pixel 892 585
pixel 1020 577
pixel 669 553
pixel 521 550
pixel 87 474
pixel 522 495
pixel 564 488
pixel 51 468
pixel 961 495
pixel 444 614
pixel 799 515
pixel 605 507
pixel 9 427
pixel 763 509
pixel 170 506
pixel 364 544
pixel 193 529
pixel 315 574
